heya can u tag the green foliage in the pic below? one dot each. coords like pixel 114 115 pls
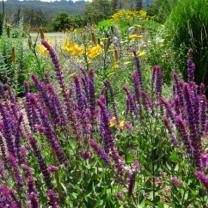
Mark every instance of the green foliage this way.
pixel 97 10
pixel 188 27
pixel 1 23
pixel 162 9
pixel 65 21
pixel 18 61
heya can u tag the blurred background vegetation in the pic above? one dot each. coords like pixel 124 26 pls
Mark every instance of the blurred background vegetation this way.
pixel 172 28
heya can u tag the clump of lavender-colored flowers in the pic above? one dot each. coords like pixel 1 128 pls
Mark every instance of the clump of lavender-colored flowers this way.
pixel 79 116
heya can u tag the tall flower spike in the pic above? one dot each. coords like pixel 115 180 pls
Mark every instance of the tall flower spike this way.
pixel 108 84
pixel 158 81
pixel 194 134
pixel 59 73
pixel 132 106
pixel 170 131
pixel 202 114
pixel 57 105
pixel 8 130
pixel 184 135
pixel 41 161
pixel 92 100
pixel 118 160
pixel 190 66
pixel 18 138
pixel 46 99
pixel 80 99
pixel 52 138
pixel 30 111
pixel 17 174
pixel 137 88
pixel 132 176
pixel 101 152
pixel 85 83
pixel 138 68
pixel 52 199
pixel 202 178
pixel 10 199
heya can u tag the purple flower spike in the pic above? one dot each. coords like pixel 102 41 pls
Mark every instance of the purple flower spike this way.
pixel 137 88
pixel 184 135
pixel 33 200
pixel 30 111
pixel 52 199
pixel 17 174
pixel 177 182
pixel 192 113
pixel 8 197
pixel 138 68
pixel 101 152
pixel 168 106
pixel 146 101
pixel 190 66
pixel 92 100
pixel 158 81
pixel 202 178
pixel 55 60
pixel 9 129
pixel 132 105
pixel 80 99
pixel 202 114
pixel 170 131
pixel 202 89
pixel 52 138
pixel 56 103
pixel 53 169
pixel 108 84
pixel 132 175
pixel 107 131
pixel 42 164
pixel 85 83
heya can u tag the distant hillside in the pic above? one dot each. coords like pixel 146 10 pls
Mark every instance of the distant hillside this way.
pixel 51 8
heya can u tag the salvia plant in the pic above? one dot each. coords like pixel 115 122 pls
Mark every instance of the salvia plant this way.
pixel 70 147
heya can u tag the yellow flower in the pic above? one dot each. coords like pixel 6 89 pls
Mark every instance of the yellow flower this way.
pixel 41 49
pixel 72 48
pixel 112 121
pixel 137 25
pixel 115 65
pixel 141 53
pixel 127 62
pixel 121 124
pixel 94 51
pixel 142 13
pixel 135 37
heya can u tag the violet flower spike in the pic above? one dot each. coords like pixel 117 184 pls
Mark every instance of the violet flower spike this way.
pixel 132 175
pixel 101 152
pixel 52 138
pixel 203 179
pixel 92 98
pixel 138 68
pixel 108 84
pixel 17 174
pixel 42 164
pixel 52 199
pixel 170 131
pixel 57 66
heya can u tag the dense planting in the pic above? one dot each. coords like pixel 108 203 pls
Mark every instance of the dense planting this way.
pixel 101 116
pixel 75 149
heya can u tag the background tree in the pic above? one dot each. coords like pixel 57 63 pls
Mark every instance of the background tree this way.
pixel 139 4
pixel 98 10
